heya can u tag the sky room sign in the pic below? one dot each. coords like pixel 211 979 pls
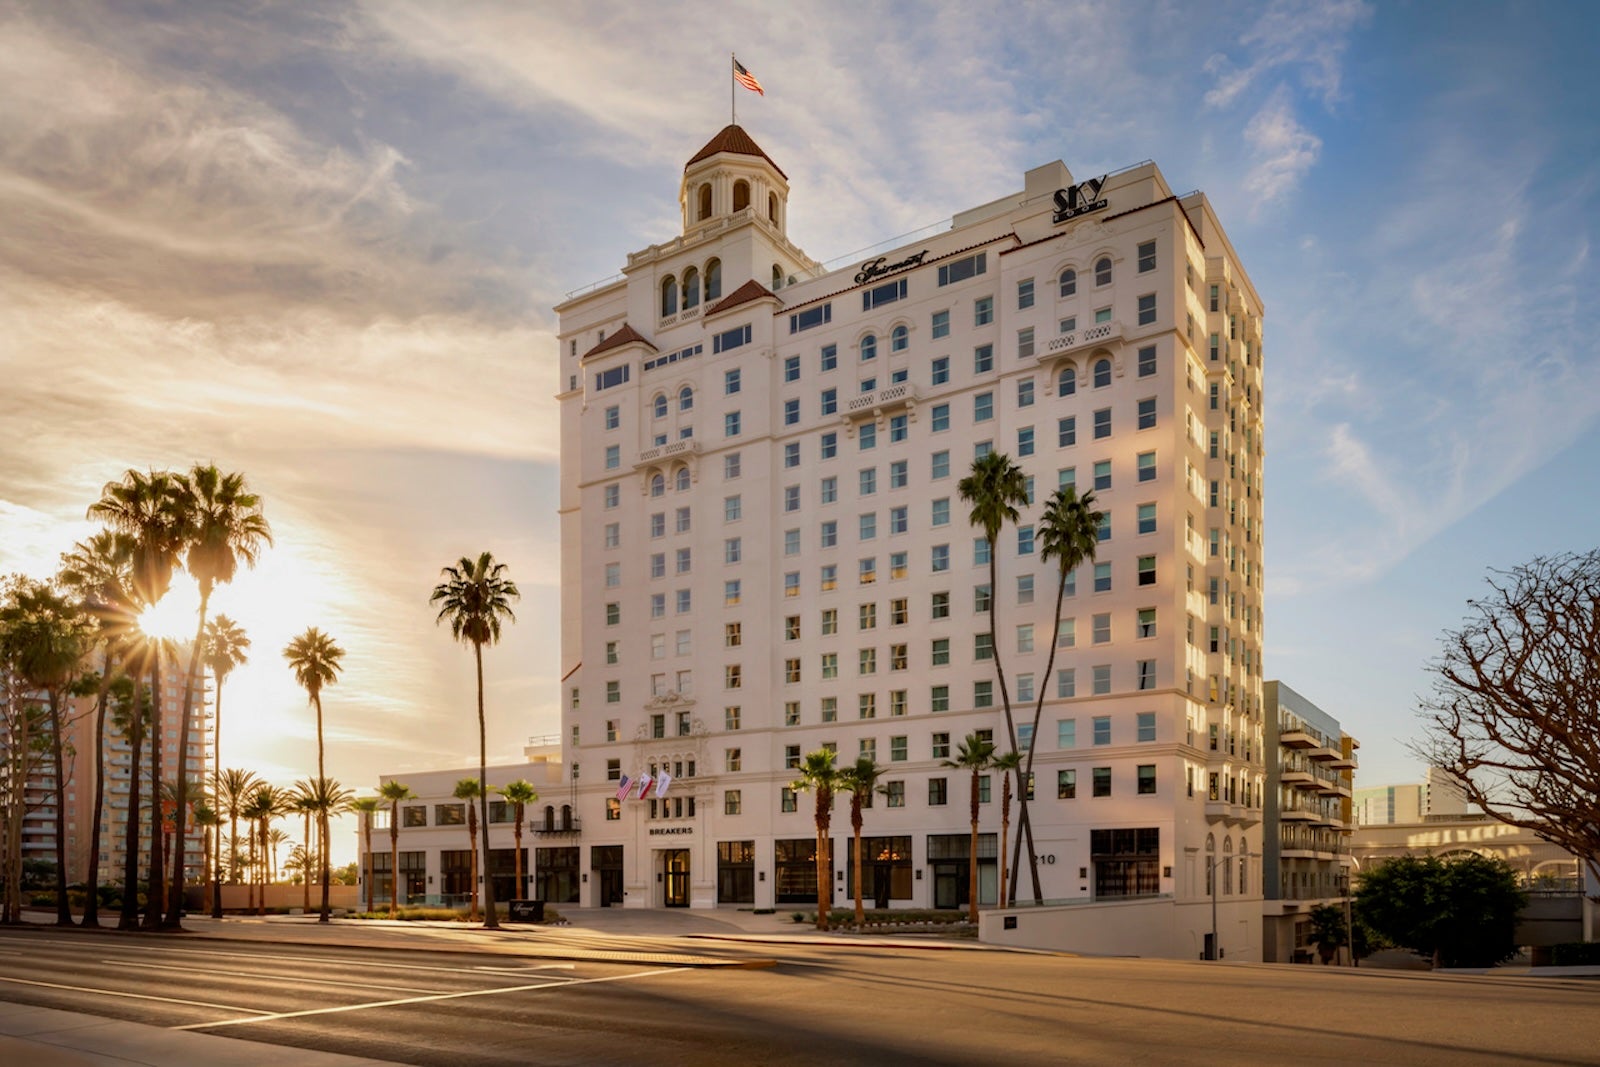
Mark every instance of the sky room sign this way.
pixel 1079 199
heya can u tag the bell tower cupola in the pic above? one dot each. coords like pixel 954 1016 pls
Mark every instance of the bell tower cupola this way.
pixel 729 179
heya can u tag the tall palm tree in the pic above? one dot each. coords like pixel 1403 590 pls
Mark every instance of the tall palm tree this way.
pixel 275 839
pixel 469 790
pixel 1005 766
pixel 861 781
pixel 224 528
pixel 100 572
pixel 315 660
pixel 476 598
pixel 974 754
pixel 47 638
pixel 519 794
pixel 1069 533
pixel 302 806
pixel 265 804
pixel 365 806
pixel 150 508
pixel 819 776
pixel 205 817
pixel 235 788
pixel 326 798
pixel 394 792
pixel 227 647
pixel 130 714
pixel 996 488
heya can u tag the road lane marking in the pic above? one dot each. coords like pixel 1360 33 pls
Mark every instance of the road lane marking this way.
pixel 267 1018
pixel 330 960
pixel 134 996
pixel 298 979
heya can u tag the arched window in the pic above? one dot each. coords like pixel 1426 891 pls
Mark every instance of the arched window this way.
pixel 1227 866
pixel 705 202
pixel 1244 866
pixel 777 277
pixel 681 479
pixel 686 399
pixel 1211 857
pixel 669 296
pixel 772 207
pixel 691 289
pixel 658 406
pixel 741 195
pixel 658 484
pixel 869 347
pixel 1067 382
pixel 1102 271
pixel 1102 373
pixel 714 279
pixel 566 816
pixel 899 338
pixel 549 817
pixel 1069 282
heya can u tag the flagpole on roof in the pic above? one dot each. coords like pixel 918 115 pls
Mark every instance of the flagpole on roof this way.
pixel 733 98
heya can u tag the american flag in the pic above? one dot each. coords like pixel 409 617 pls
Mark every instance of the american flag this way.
pixel 624 787
pixel 746 79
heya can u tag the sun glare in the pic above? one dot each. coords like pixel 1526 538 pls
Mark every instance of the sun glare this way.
pixel 173 617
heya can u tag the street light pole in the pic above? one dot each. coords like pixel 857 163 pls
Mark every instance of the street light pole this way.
pixel 1216 950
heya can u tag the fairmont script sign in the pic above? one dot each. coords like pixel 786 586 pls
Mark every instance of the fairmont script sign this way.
pixel 1079 199
pixel 877 268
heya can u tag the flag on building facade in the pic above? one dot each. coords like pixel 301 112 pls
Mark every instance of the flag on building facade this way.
pixel 663 780
pixel 623 787
pixel 746 79
pixel 645 782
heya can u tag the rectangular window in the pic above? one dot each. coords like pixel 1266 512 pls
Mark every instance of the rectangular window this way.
pixel 983 694
pixel 1067 431
pixel 731 593
pixel 1066 682
pixel 1147 257
pixel 940 465
pixel 1147 361
pixel 1147 466
pixel 830 357
pixel 791 542
pixel 887 293
pixel 829 577
pixel 1102 423
pixel 830 622
pixel 682 521
pixel 828 709
pixel 732 802
pixel 791 713
pixel 941 370
pixel 1146 726
pixel 1025 441
pixel 829 489
pixel 940 417
pixel 938 792
pixel 1146 622
pixel 810 317
pixel 613 457
pixel 1147 570
pixel 1101 679
pixel 983 407
pixel 731 339
pixel 1147 413
pixel 791 412
pixel 791 364
pixel 830 534
pixel 897 697
pixel 1102 781
pixel 730 424
pixel 895 794
pixel 1025 540
pixel 1025 293
pixel 983 311
pixel 898 520
pixel 613 496
pixel 982 646
pixel 1066 785
pixel 830 665
pixel 941 327
pixel 1146 674
pixel 1147 518
pixel 961 269
pixel 608 378
pixel 1102 729
pixel 1147 779
pixel 730 382
pixel 830 401
pixel 983 359
pixel 940 558
pixel 940 655
pixel 1025 343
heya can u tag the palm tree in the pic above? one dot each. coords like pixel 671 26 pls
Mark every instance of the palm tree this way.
pixel 46 639
pixel 235 788
pixel 227 647
pixel 326 798
pixel 302 806
pixel 265 804
pixel 224 528
pixel 205 817
pixel 130 714
pixel 818 774
pixel 315 660
pixel 100 572
pixel 860 780
pixel 476 597
pixel 394 792
pixel 995 489
pixel 150 509
pixel 469 789
pixel 1006 765
pixel 974 754
pixel 275 838
pixel 1069 533
pixel 519 794
pixel 365 806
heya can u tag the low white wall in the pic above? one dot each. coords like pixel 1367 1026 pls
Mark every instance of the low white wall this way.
pixel 1160 928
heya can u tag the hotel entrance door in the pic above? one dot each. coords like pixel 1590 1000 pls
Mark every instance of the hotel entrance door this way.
pixel 676 864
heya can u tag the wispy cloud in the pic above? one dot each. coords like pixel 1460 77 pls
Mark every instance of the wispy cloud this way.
pixel 1304 40
pixel 1283 151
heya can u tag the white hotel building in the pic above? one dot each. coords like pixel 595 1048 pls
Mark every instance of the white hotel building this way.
pixel 764 552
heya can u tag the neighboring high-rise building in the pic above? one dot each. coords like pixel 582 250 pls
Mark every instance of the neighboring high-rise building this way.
pixel 764 550
pixel 1435 797
pixel 1310 776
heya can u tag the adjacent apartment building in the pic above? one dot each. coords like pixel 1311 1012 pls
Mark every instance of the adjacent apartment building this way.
pixel 764 551
pixel 1310 776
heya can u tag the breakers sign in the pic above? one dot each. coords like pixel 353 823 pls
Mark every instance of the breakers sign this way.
pixel 877 268
pixel 1079 199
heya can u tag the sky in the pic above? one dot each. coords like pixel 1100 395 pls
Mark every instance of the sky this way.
pixel 320 243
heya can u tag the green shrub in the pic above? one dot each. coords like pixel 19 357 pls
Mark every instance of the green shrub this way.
pixel 1575 954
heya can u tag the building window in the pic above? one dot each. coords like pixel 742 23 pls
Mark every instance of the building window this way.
pixel 1147 779
pixel 732 802
pixel 1066 785
pixel 1102 781
pixel 941 324
pixel 983 407
pixel 983 359
pixel 1147 466
pixel 941 652
pixel 1147 257
pixel 1146 724
pixel 983 311
pixel 1101 679
pixel 1066 682
pixel 1147 570
pixel 1147 518
pixel 1102 423
pixel 1147 309
pixel 1146 626
pixel 1102 271
pixel 941 369
pixel 1147 413
pixel 1146 673
pixel 830 401
pixel 938 792
pixel 1147 361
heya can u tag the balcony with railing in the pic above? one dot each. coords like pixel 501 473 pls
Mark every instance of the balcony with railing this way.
pixel 689 447
pixel 880 402
pixel 1093 336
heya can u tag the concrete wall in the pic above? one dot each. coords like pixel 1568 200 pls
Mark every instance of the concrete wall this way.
pixel 235 898
pixel 1163 929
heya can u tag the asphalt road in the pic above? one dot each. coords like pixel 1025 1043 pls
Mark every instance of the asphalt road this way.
pixel 822 1004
